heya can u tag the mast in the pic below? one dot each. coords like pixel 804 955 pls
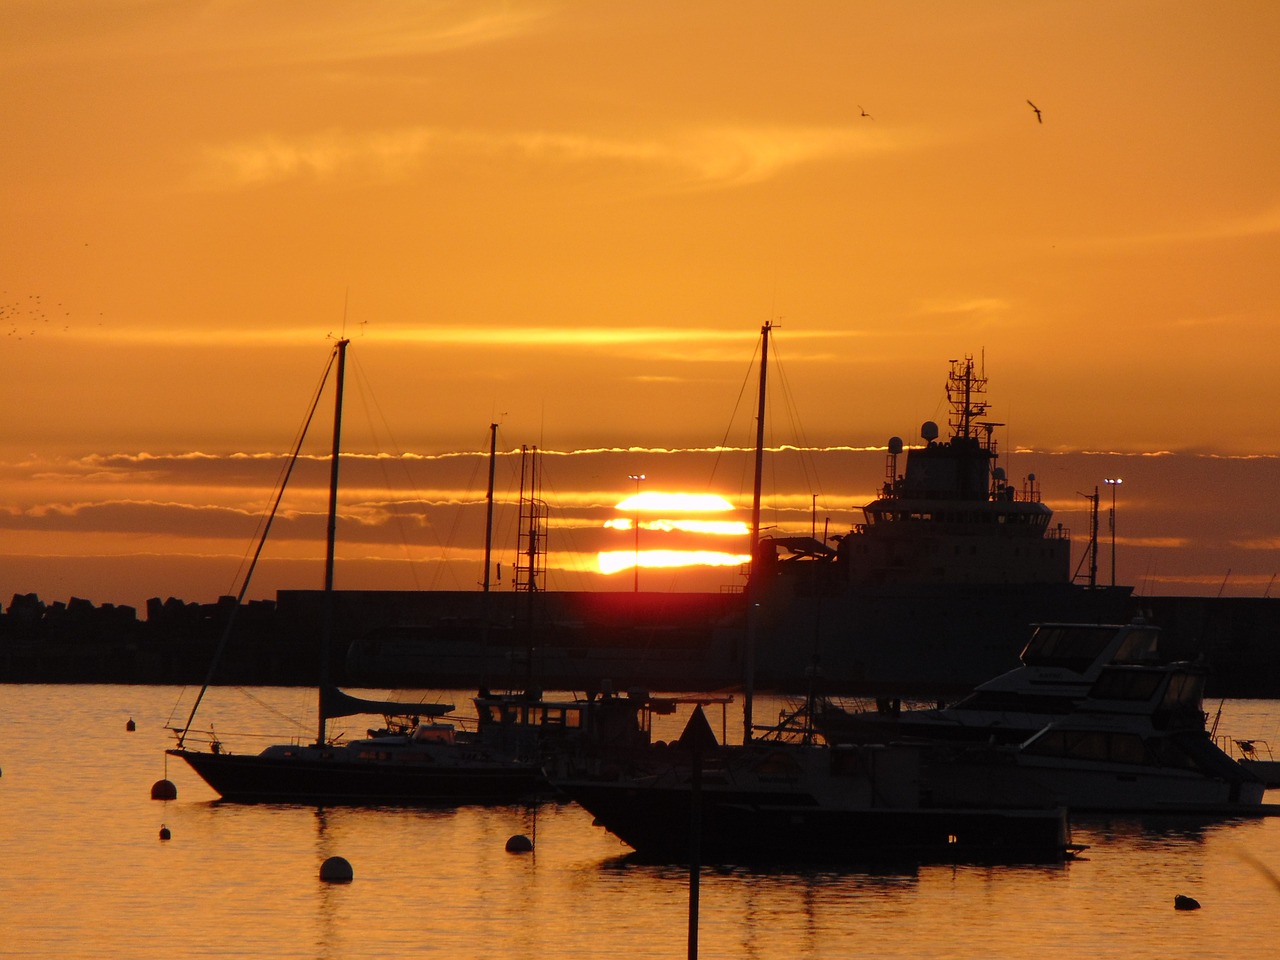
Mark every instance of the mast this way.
pixel 488 520
pixel 753 590
pixel 326 630
pixel 486 613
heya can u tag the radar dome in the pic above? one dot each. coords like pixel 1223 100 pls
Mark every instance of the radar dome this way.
pixel 998 473
pixel 895 445
pixel 929 430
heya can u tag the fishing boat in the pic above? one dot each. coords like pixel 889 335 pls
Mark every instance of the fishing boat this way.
pixel 418 756
pixel 783 795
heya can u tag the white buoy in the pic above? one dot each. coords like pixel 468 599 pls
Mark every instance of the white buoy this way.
pixel 164 832
pixel 164 790
pixel 519 844
pixel 336 870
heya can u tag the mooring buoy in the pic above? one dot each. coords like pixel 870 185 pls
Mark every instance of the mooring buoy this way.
pixel 164 790
pixel 336 870
pixel 519 844
pixel 131 726
pixel 164 832
pixel 1185 903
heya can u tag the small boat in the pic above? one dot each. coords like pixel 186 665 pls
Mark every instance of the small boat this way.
pixel 409 760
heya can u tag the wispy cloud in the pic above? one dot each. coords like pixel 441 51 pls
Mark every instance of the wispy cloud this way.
pixel 496 336
pixel 967 308
pixel 1263 221
pixel 709 157
pixel 297 32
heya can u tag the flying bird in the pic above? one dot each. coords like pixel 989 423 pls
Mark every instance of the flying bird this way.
pixel 1039 119
pixel 865 114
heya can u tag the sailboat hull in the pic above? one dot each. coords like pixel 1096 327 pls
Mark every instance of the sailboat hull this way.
pixel 326 776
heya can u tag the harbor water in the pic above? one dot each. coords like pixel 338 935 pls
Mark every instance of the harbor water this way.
pixel 86 874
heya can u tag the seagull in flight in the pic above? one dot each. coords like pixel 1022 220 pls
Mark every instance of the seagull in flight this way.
pixel 1037 110
pixel 865 114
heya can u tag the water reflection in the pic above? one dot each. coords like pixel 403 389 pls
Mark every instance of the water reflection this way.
pixel 87 877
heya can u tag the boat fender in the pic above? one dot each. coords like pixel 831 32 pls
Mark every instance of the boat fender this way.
pixel 1185 903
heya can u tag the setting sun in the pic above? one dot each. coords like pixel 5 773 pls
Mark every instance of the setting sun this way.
pixel 674 539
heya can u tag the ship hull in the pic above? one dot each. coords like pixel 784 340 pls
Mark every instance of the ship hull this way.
pixel 782 827
pixel 942 638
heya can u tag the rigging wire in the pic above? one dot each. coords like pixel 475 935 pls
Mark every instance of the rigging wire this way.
pixel 257 553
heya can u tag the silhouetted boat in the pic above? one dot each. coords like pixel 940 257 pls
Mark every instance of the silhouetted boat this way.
pixel 1098 718
pixel 799 800
pixel 934 589
pixel 931 592
pixel 1065 669
pixel 409 760
pixel 795 802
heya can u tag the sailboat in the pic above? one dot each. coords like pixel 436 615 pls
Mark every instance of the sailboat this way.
pixel 419 756
pixel 785 798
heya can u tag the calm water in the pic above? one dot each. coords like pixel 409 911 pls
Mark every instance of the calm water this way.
pixel 85 874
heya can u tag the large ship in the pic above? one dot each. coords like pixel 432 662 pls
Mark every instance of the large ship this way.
pixel 931 594
pixel 934 590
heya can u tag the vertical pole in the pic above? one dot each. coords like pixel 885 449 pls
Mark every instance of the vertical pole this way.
pixel 1113 482
pixel 695 850
pixel 635 564
pixel 753 581
pixel 488 520
pixel 326 628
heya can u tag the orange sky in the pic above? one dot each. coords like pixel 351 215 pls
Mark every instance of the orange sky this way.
pixel 574 218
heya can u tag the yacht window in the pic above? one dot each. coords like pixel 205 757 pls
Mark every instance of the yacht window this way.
pixel 1072 647
pixel 1090 745
pixel 1140 646
pixel 1186 691
pixel 1128 748
pixel 1122 684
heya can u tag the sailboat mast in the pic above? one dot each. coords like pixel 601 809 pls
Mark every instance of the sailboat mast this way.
pixel 488 519
pixel 326 630
pixel 753 590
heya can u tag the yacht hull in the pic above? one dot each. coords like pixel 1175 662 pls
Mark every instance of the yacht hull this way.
pixel 781 827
